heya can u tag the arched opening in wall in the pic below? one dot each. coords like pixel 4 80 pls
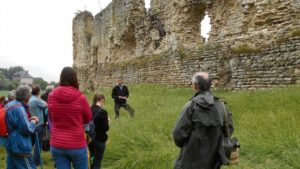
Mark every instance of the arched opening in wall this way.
pixel 205 27
pixel 147 4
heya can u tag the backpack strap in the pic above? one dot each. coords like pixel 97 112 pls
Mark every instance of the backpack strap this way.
pixel 226 123
pixel 96 115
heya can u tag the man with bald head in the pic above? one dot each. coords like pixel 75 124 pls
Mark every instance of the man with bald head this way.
pixel 199 129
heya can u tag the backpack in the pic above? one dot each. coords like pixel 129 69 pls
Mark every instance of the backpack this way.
pixel 90 129
pixel 3 126
pixel 230 145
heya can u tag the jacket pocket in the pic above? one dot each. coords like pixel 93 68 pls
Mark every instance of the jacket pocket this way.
pixel 24 145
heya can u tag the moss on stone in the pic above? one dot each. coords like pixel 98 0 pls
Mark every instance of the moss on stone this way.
pixel 295 32
pixel 244 49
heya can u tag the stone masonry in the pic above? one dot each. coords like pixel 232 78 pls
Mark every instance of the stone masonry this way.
pixel 252 44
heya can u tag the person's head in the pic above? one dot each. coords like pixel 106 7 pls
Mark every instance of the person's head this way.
pixel 23 93
pixel 120 81
pixel 201 82
pixel 2 98
pixel 68 77
pixel 11 95
pixel 35 90
pixel 99 99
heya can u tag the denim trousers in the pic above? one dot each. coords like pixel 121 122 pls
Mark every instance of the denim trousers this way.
pixel 3 142
pixel 15 162
pixel 64 157
pixel 96 150
pixel 38 136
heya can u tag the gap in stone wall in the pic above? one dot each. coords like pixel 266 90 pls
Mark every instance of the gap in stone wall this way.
pixel 205 27
pixel 147 4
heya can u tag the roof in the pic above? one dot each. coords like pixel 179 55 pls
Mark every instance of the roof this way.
pixel 22 74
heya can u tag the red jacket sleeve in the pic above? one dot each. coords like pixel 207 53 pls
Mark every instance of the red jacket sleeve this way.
pixel 87 114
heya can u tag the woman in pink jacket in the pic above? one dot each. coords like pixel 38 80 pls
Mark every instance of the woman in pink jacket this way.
pixel 68 111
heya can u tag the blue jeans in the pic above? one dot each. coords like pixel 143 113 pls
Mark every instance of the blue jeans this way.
pixel 3 142
pixel 14 162
pixel 37 150
pixel 64 157
pixel 96 151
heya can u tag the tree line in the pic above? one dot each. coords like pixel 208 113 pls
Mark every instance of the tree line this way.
pixel 7 81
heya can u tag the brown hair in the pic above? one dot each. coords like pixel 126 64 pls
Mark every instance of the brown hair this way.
pixel 68 77
pixel 2 98
pixel 35 89
pixel 98 97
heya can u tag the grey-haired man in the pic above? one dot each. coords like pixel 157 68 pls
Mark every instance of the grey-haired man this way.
pixel 198 131
pixel 20 130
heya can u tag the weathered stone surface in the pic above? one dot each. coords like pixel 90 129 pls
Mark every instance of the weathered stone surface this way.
pixel 252 44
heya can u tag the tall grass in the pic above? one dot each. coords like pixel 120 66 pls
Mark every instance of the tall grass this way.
pixel 266 123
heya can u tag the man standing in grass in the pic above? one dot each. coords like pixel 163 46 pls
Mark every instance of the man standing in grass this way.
pixel 20 130
pixel 36 108
pixel 198 131
pixel 120 94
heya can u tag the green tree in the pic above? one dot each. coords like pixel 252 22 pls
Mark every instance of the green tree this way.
pixel 2 79
pixel 40 81
pixel 9 73
pixel 12 84
pixel 52 83
pixel 6 77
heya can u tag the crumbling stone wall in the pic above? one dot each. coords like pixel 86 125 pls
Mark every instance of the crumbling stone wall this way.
pixel 275 66
pixel 252 44
pixel 253 22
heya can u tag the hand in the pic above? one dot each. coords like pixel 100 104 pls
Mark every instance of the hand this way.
pixel 34 119
pixel 122 97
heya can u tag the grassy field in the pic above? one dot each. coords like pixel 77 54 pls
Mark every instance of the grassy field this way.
pixel 266 123
pixel 3 93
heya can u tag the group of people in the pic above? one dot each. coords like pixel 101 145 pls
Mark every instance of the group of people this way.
pixel 65 110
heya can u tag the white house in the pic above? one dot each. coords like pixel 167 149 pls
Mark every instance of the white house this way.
pixel 24 77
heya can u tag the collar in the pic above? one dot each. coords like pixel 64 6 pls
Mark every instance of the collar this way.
pixel 199 92
pixel 24 105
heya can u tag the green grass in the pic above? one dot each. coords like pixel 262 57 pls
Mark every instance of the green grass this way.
pixel 3 93
pixel 266 123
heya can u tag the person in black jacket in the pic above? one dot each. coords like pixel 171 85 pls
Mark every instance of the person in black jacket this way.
pixel 120 94
pixel 199 129
pixel 97 146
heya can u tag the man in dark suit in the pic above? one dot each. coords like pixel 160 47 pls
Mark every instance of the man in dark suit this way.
pixel 120 94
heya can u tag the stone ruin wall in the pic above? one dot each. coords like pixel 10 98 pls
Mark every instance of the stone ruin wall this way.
pixel 256 22
pixel 252 44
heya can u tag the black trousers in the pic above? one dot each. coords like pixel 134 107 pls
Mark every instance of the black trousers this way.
pixel 126 106
pixel 96 151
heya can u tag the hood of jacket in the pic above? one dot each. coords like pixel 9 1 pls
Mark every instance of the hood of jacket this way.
pixel 204 99
pixel 66 94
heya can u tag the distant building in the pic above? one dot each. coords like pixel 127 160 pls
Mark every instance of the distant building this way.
pixel 23 77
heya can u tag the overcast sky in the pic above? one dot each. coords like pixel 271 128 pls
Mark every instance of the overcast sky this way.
pixel 37 34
